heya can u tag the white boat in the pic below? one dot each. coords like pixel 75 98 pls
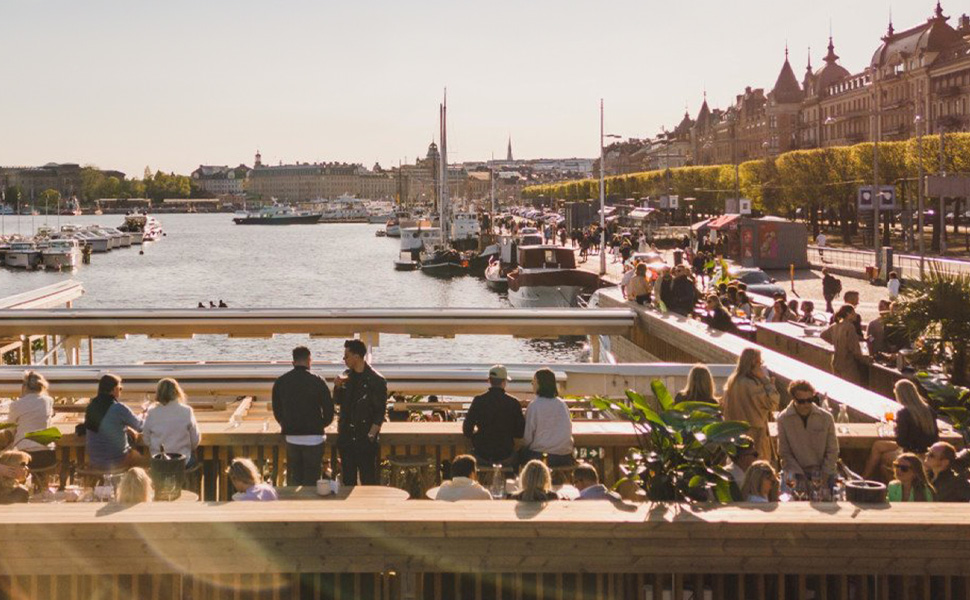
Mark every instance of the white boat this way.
pixel 24 255
pixel 465 226
pixel 345 209
pixel 61 254
pixel 547 277
pixel 97 239
pixel 120 237
pixel 495 277
pixel 276 214
pixel 414 242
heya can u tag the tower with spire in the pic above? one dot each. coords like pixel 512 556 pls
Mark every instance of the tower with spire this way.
pixel 508 153
pixel 259 160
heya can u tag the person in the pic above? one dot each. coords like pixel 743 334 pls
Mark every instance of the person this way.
pixel 761 483
pixel 494 421
pixel 876 330
pixel 361 394
pixel 13 477
pixel 852 298
pixel 793 310
pixel 750 395
pixel 548 428
pixel 717 317
pixel 830 289
pixel 820 241
pixel 303 407
pixel 778 313
pixel 699 388
pixel 848 361
pixel 587 481
pixel 806 436
pixel 170 424
pixel 201 305
pixel 893 285
pixel 248 483
pixel 463 484
pixel 742 457
pixel 949 485
pixel 910 483
pixel 744 305
pixel 629 270
pixel 135 487
pixel 33 411
pixel 683 293
pixel 662 287
pixel 106 425
pixel 535 482
pixel 222 304
pixel 212 304
pixel 808 313
pixel 916 429
pixel 638 290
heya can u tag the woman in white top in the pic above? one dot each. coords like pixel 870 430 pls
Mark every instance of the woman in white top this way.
pixel 548 428
pixel 170 424
pixel 33 412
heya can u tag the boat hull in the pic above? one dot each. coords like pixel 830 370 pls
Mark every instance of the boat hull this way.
pixel 541 296
pixel 297 220
pixel 406 265
pixel 60 260
pixel 23 260
pixel 99 245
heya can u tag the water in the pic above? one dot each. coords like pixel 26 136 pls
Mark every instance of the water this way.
pixel 207 257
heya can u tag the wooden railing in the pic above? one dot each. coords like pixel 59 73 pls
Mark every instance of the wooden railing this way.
pixel 408 549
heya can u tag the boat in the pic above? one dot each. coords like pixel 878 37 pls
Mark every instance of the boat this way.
pixel 72 207
pixel 465 226
pixel 61 254
pixel 6 209
pixel 547 277
pixel 345 209
pixel 23 255
pixel 121 238
pixel 444 262
pixel 95 238
pixel 495 277
pixel 278 215
pixel 414 242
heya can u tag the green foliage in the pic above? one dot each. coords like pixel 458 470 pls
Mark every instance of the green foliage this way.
pixel 94 185
pixel 680 446
pixel 951 400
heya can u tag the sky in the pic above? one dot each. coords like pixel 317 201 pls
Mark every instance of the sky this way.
pixel 125 84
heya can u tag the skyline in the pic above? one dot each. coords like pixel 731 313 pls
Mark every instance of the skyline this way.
pixel 211 84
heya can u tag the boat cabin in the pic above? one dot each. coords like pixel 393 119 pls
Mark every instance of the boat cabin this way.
pixel 546 257
pixel 415 238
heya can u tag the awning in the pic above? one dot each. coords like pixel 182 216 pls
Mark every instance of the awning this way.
pixel 641 213
pixel 724 222
pixel 700 225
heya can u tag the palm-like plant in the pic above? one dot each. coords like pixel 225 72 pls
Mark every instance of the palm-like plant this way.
pixel 938 306
pixel 680 447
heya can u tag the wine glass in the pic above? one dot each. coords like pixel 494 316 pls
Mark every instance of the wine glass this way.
pixel 817 482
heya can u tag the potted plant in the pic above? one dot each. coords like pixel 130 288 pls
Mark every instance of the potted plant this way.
pixel 680 447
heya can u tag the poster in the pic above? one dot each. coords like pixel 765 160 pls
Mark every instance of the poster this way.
pixel 768 238
pixel 747 244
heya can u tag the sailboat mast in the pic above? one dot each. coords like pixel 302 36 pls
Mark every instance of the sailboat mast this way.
pixel 443 202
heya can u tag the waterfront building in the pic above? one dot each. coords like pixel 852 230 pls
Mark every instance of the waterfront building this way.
pixel 65 178
pixel 221 180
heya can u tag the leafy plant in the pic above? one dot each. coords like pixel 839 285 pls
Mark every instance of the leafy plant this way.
pixel 680 446
pixel 44 436
pixel 951 400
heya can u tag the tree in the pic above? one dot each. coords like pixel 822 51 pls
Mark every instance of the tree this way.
pixel 50 197
pixel 91 182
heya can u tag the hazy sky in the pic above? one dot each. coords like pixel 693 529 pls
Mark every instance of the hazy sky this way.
pixel 129 83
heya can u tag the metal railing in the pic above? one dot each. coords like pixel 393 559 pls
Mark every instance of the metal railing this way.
pixel 906 265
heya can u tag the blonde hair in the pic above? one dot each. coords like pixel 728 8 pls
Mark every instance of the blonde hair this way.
pixel 907 395
pixel 755 476
pixel 244 470
pixel 167 390
pixel 135 487
pixel 921 482
pixel 35 383
pixel 749 358
pixel 700 385
pixel 536 481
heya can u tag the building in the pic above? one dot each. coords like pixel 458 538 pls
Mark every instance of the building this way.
pixel 221 180
pixel 65 178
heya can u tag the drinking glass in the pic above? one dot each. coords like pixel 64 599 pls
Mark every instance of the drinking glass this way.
pixel 817 484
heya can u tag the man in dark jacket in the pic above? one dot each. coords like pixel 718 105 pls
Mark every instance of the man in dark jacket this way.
pixel 831 287
pixel 494 421
pixel 303 407
pixel 683 294
pixel 361 394
pixel 950 486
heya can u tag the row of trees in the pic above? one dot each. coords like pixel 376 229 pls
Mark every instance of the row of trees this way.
pixel 822 182
pixel 95 184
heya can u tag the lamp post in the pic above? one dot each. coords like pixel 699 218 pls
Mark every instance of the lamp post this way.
pixel 603 136
pixel 942 199
pixel 877 193
pixel 919 192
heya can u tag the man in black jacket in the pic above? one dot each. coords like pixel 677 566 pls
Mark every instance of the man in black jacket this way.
pixel 950 486
pixel 361 394
pixel 494 421
pixel 303 407
pixel 831 287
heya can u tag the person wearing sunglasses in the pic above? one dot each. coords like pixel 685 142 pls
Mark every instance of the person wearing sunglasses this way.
pixel 910 483
pixel 950 486
pixel 806 436
pixel 14 487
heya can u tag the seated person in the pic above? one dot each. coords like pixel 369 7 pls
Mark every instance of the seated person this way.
pixel 494 421
pixel 808 313
pixel 910 482
pixel 135 487
pixel 106 424
pixel 535 481
pixel 717 317
pixel 463 484
pixel 806 436
pixel 548 428
pixel 587 481
pixel 742 458
pixel 13 477
pixel 760 483
pixel 778 313
pixel 249 483
pixel 950 486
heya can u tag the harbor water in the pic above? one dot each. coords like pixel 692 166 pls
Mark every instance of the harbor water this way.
pixel 205 257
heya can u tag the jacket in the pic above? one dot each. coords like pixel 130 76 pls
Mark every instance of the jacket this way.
pixel 32 412
pixel 362 401
pixel 847 360
pixel 172 426
pixel 831 286
pixel 951 487
pixel 462 488
pixel 804 446
pixel 720 320
pixel 910 437
pixel 493 422
pixel 683 295
pixel 302 404
pixel 752 400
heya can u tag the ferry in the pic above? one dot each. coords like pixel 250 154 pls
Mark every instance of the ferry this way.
pixel 278 215
pixel 345 209
pixel 61 254
pixel 547 277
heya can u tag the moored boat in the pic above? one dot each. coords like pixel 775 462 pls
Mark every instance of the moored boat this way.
pixel 278 215
pixel 61 254
pixel 547 277
pixel 23 255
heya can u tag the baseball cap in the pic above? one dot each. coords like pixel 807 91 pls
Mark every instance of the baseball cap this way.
pixel 498 372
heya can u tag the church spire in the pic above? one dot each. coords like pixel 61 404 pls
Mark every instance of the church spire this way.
pixel 831 57
pixel 508 154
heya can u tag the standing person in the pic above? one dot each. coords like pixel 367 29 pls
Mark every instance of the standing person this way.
pixel 949 485
pixel 303 407
pixel 494 421
pixel 33 411
pixel 361 394
pixel 683 292
pixel 638 290
pixel 106 425
pixel 910 483
pixel 848 361
pixel 831 287
pixel 820 241
pixel 171 424
pixel 893 285
pixel 548 428
pixel 806 436
pixel 876 330
pixel 750 395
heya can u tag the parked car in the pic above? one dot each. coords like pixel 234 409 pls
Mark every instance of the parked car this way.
pixel 654 261
pixel 758 281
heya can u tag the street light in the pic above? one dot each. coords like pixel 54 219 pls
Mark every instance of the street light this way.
pixel 603 192
pixel 919 192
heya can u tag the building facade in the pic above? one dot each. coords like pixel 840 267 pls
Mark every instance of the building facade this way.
pixel 221 180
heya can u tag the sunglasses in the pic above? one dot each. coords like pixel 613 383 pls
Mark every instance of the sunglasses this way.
pixel 901 468
pixel 805 400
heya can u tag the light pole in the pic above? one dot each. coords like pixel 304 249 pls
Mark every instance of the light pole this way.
pixel 877 193
pixel 919 191
pixel 942 199
pixel 603 192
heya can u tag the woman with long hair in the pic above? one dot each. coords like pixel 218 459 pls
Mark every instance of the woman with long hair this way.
pixel 135 487
pixel 106 424
pixel 535 482
pixel 848 361
pixel 750 395
pixel 33 411
pixel 170 423
pixel 548 428
pixel 910 483
pixel 760 483
pixel 700 386
pixel 916 429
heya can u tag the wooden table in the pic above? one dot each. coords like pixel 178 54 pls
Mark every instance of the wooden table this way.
pixel 346 492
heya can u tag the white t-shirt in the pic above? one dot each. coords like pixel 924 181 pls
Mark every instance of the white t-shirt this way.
pixel 462 488
pixel 32 412
pixel 820 240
